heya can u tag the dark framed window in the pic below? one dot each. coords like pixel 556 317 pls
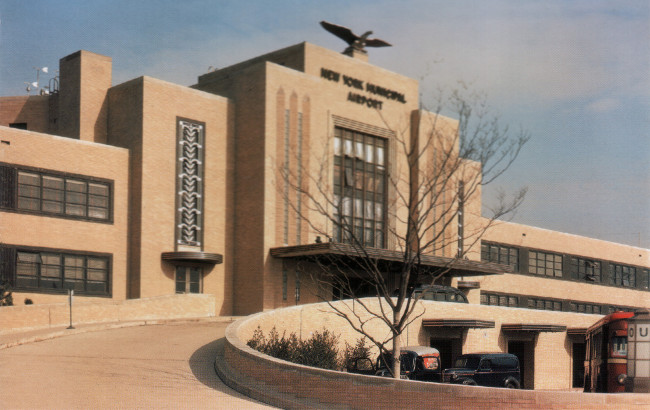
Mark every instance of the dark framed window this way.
pixel 644 279
pixel 543 263
pixel 544 304
pixel 585 270
pixel 285 284
pixel 189 279
pixel 506 255
pixel 359 188
pixel 494 299
pixel 579 307
pixel 622 275
pixel 59 271
pixel 53 194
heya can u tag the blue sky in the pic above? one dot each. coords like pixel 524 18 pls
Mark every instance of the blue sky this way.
pixel 575 74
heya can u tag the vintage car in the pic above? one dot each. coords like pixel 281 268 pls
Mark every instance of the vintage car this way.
pixel 485 369
pixel 417 363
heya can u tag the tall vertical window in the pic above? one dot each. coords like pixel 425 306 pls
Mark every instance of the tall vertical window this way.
pixel 285 226
pixel 359 188
pixel 622 275
pixel 188 279
pixel 55 194
pixel 285 280
pixel 297 287
pixel 299 182
pixel 542 263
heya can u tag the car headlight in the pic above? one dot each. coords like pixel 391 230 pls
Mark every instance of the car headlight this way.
pixel 621 378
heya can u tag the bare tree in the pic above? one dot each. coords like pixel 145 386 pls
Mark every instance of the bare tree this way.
pixel 423 227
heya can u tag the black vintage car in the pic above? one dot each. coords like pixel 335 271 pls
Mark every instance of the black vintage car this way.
pixel 485 369
pixel 416 362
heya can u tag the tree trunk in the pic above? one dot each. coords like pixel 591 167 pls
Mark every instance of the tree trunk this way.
pixel 397 350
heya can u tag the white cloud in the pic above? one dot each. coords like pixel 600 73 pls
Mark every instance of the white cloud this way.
pixel 604 105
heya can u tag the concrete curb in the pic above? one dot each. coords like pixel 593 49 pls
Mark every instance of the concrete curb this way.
pixel 256 390
pixel 20 338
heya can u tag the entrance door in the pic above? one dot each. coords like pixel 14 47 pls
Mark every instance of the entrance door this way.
pixel 525 352
pixel 579 353
pixel 449 350
pixel 189 279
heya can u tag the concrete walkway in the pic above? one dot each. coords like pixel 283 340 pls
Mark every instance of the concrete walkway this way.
pixel 126 365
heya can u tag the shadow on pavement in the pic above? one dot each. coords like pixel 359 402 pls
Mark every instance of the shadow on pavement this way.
pixel 202 365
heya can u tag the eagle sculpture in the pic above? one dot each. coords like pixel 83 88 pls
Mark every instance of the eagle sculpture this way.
pixel 355 43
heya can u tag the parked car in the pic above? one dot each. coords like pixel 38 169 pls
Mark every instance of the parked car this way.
pixel 416 362
pixel 361 365
pixel 485 369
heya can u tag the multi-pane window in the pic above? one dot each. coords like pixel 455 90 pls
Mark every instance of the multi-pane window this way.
pixel 499 300
pixel 359 188
pixel 585 308
pixel 505 255
pixel 644 279
pixel 622 275
pixel 544 304
pixel 188 279
pixel 543 263
pixel 585 269
pixel 62 271
pixel 52 194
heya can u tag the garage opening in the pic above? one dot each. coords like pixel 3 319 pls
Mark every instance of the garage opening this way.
pixel 579 351
pixel 449 348
pixel 525 352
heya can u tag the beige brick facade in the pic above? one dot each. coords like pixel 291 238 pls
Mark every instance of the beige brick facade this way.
pixel 264 125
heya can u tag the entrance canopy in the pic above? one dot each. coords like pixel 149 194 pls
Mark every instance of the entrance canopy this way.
pixel 458 323
pixel 531 327
pixel 330 252
pixel 202 258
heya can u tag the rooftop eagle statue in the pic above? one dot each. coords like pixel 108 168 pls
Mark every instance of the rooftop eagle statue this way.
pixel 356 43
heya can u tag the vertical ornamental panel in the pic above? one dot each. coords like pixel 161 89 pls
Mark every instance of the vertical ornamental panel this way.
pixel 189 184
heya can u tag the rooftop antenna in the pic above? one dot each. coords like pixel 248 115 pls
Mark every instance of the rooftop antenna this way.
pixel 34 85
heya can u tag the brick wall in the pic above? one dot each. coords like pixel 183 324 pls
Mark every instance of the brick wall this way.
pixel 20 318
pixel 294 386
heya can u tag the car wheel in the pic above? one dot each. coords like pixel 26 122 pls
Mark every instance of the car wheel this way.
pixel 469 382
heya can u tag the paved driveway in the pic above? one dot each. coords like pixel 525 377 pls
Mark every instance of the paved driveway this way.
pixel 156 366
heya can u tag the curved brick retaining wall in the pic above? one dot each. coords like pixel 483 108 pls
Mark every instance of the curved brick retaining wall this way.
pixel 288 385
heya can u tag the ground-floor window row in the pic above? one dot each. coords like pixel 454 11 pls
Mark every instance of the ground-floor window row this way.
pixel 55 270
pixel 565 266
pixel 56 194
pixel 561 305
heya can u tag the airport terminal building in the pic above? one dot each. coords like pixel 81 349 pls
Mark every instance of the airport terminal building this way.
pixel 149 188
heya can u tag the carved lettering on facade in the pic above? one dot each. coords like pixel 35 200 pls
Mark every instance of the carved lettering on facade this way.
pixel 358 84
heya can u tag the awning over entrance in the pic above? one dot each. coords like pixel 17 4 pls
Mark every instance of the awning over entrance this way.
pixel 203 258
pixel 528 327
pixel 458 323
pixel 329 251
pixel 577 331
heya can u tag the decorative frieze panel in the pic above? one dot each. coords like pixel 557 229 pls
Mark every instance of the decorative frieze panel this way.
pixel 189 183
